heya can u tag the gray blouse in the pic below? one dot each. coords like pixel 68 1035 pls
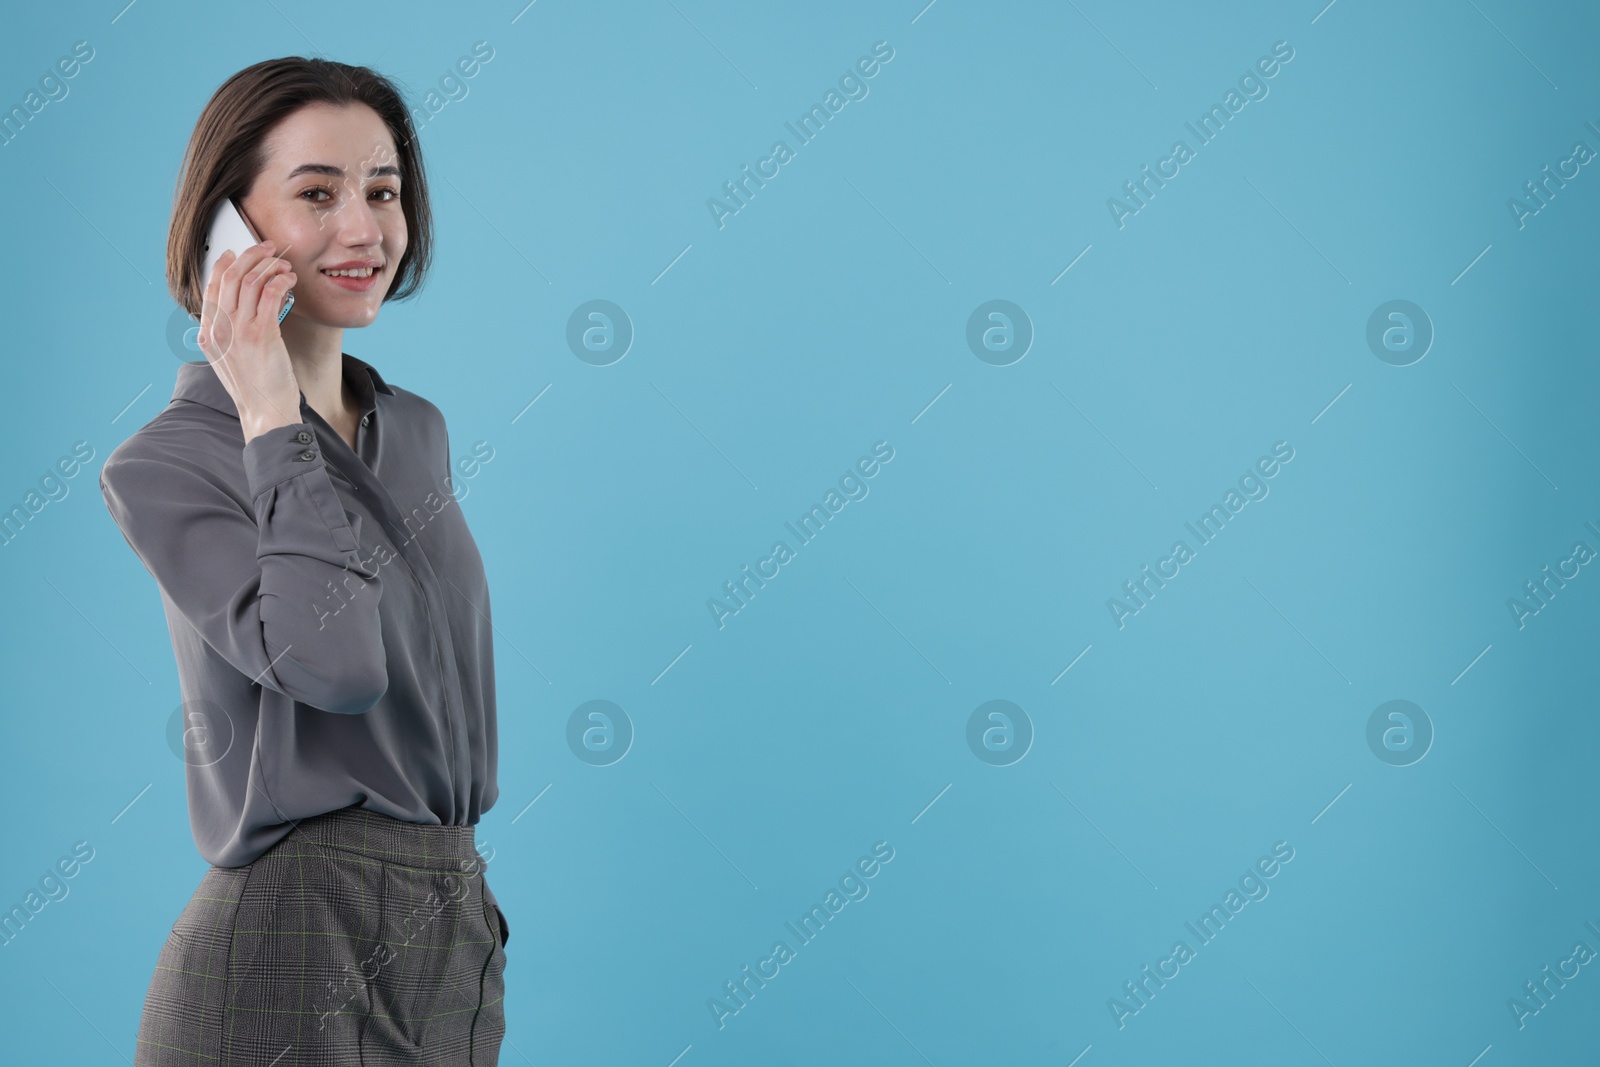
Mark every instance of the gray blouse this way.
pixel 328 609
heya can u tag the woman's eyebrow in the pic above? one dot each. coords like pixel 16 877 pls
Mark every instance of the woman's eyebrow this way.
pixel 387 170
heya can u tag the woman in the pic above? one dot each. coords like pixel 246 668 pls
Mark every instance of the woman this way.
pixel 328 609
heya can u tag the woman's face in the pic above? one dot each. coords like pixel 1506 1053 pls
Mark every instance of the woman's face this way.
pixel 329 197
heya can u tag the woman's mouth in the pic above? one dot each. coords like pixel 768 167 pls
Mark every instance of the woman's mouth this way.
pixel 355 279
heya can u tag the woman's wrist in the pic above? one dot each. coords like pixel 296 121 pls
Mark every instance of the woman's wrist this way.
pixel 256 425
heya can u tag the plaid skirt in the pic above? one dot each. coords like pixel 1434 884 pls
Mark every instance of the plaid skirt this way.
pixel 357 939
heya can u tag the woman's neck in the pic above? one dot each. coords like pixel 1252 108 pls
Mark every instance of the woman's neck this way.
pixel 318 363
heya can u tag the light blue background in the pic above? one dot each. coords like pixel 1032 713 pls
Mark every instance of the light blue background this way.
pixel 829 714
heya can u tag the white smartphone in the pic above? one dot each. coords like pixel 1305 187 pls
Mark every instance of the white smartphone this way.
pixel 229 231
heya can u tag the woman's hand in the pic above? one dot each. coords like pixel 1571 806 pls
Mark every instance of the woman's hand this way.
pixel 239 335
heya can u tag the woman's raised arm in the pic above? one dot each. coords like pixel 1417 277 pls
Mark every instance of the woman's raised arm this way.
pixel 282 594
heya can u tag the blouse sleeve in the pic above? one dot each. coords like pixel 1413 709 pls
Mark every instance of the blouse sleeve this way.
pixel 283 594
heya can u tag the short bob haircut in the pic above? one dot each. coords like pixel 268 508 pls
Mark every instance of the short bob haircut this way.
pixel 225 154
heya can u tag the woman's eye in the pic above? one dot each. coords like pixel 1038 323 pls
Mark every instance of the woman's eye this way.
pixel 392 194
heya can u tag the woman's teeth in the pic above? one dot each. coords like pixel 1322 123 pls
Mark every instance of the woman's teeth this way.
pixel 359 272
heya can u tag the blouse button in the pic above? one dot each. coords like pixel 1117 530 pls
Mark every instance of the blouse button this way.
pixel 364 419
pixel 308 454
pixel 304 437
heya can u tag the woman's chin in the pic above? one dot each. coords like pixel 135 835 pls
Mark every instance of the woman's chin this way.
pixel 344 318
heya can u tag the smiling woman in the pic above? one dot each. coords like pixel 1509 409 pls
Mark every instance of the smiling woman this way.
pixel 280 470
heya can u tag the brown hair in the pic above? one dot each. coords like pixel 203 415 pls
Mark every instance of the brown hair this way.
pixel 225 154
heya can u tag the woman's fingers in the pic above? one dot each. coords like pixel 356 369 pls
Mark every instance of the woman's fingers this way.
pixel 272 294
pixel 214 341
pixel 234 296
pixel 234 275
pixel 255 277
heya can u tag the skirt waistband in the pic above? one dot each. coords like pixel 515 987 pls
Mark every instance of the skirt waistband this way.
pixel 388 840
